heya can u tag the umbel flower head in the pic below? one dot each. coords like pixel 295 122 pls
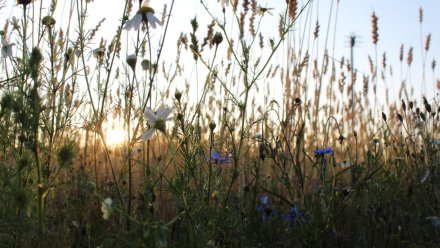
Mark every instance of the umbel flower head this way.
pixel 157 120
pixel 144 14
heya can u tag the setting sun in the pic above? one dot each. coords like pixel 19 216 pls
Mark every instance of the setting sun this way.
pixel 115 135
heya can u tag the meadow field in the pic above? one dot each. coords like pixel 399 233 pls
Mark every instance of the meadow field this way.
pixel 243 130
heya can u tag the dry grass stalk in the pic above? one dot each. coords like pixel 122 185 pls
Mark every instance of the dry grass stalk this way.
pixel 293 7
pixel 374 32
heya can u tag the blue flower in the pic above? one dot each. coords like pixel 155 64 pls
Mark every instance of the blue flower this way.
pixel 435 142
pixel 265 209
pixel 215 155
pixel 324 151
pixel 295 214
pixel 216 158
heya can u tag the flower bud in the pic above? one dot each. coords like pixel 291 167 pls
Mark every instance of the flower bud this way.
pixel 212 126
pixel 131 61
pixel 49 21
pixel 218 38
pixel 178 95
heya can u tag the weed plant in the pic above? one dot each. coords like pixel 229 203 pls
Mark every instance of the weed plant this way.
pixel 222 161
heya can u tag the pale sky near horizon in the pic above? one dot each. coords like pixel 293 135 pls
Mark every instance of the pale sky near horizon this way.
pixel 398 24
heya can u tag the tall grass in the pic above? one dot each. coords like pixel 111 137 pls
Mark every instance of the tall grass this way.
pixel 223 161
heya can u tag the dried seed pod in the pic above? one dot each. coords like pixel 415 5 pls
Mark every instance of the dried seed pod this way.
pixel 422 115
pixel 403 106
pixel 384 117
pixel 399 116
pixel 428 108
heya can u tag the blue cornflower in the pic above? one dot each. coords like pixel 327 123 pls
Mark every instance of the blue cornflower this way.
pixel 435 142
pixel 216 158
pixel 295 214
pixel 215 155
pixel 264 208
pixel 324 151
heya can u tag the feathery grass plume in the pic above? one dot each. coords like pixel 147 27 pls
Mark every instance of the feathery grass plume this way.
pixel 366 81
pixel 420 15
pixel 293 7
pixel 209 35
pixel 252 18
pixel 281 26
pixel 428 42
pixel 95 29
pixel 194 46
pixel 164 14
pixel 374 32
pixel 316 32
pixel 243 14
pixel 384 60
pixel 245 6
pixel 409 59
pixel 433 64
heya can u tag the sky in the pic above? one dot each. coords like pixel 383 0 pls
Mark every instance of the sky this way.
pixel 398 24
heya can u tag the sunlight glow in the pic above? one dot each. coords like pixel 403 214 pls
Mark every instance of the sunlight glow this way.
pixel 115 135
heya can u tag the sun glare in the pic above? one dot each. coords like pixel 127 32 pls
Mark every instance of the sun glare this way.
pixel 115 135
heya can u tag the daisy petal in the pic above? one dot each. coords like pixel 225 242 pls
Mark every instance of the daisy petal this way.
pixel 147 135
pixel 9 51
pixel 164 113
pixel 149 113
pixel 129 25
pixel 137 21
pixel 4 42
pixel 152 20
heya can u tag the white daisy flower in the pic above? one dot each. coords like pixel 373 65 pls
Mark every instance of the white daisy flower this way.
pixel 157 120
pixel 7 48
pixel 107 208
pixel 144 14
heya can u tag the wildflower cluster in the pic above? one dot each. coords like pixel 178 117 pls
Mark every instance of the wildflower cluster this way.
pixel 294 215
